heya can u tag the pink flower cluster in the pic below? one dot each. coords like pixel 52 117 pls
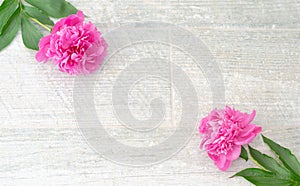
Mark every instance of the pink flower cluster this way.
pixel 75 47
pixel 223 134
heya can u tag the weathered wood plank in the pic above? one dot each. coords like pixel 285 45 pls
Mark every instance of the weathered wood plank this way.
pixel 255 43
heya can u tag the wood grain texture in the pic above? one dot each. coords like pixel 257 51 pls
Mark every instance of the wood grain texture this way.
pixel 256 44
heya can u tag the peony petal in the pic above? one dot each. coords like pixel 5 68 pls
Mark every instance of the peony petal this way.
pixel 247 131
pixel 245 140
pixel 221 160
pixel 234 153
pixel 226 165
pixel 250 117
pixel 40 56
pixel 202 126
pixel 257 130
pixel 247 134
pixel 80 14
pixel 58 25
pixel 44 41
pixel 213 157
pixel 44 46
pixel 71 20
pixel 222 163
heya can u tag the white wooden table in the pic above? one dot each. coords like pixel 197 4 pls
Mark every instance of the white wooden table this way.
pixel 255 43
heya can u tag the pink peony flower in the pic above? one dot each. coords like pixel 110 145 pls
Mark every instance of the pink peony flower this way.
pixel 223 134
pixel 75 47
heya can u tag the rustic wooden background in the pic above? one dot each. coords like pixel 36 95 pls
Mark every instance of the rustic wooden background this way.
pixel 256 44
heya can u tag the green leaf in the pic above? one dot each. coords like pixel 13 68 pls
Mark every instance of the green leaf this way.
pixel 285 155
pixel 39 15
pixel 10 30
pixel 269 163
pixel 30 34
pixel 7 9
pixel 54 8
pixel 244 154
pixel 262 178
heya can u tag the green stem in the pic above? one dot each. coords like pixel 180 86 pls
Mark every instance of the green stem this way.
pixel 20 4
pixel 41 24
pixel 33 19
